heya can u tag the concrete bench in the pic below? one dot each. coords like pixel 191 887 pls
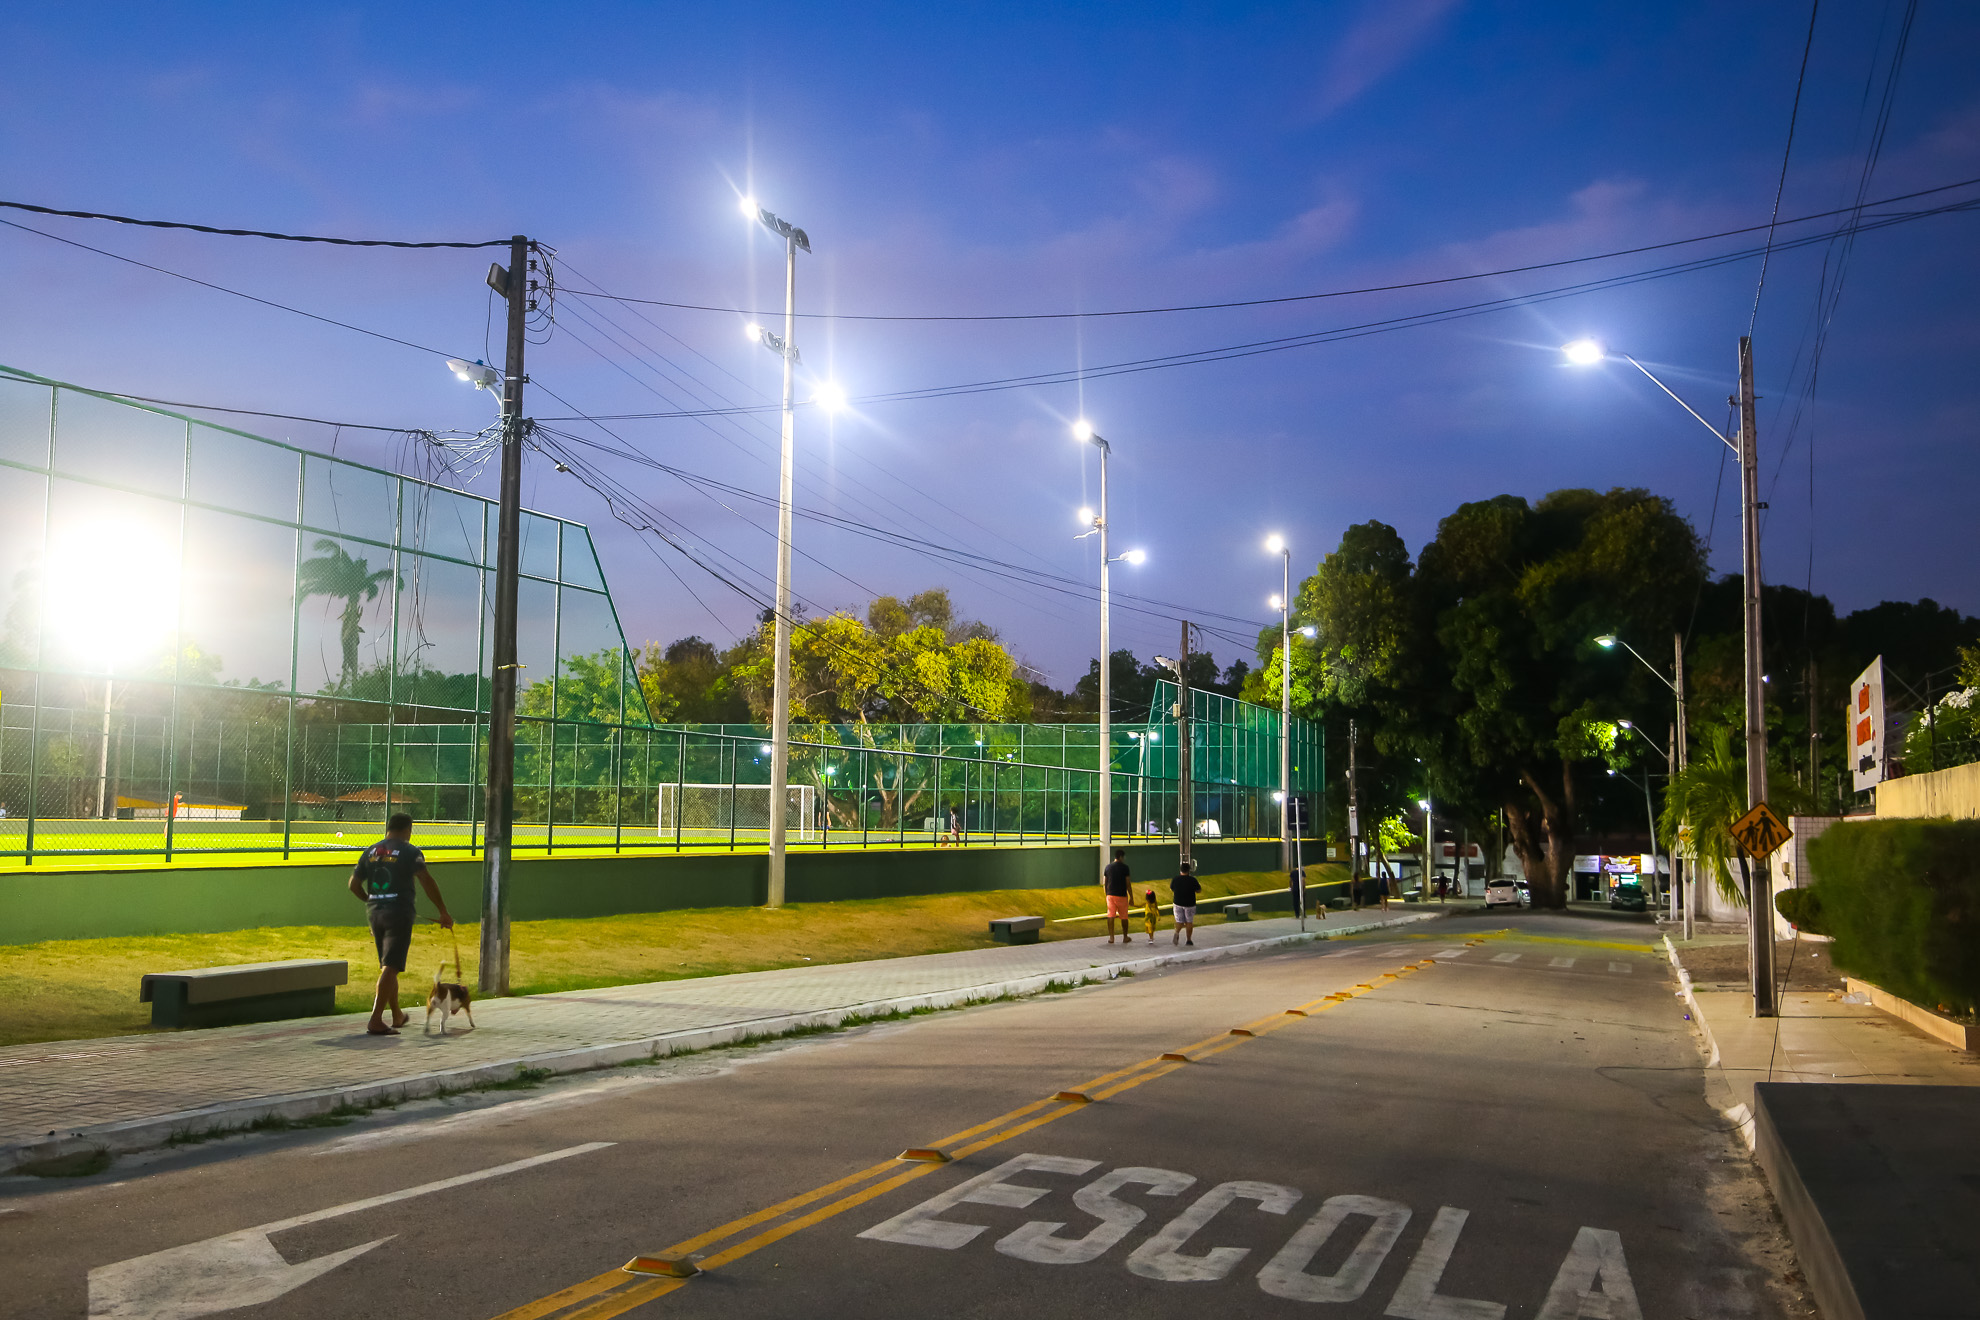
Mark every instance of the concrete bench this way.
pixel 250 992
pixel 1016 930
pixel 1237 912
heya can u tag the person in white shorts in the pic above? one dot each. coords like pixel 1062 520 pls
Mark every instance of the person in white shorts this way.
pixel 1183 890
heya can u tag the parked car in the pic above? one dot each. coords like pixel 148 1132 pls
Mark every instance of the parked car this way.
pixel 1502 892
pixel 1628 896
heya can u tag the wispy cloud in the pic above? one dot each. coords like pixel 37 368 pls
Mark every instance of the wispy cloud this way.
pixel 1389 32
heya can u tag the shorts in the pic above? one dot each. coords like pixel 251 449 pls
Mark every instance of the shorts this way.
pixel 391 931
pixel 1117 906
pixel 1185 916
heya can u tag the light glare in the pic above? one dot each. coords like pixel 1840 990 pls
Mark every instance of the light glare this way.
pixel 1584 352
pixel 1606 641
pixel 1135 556
pixel 830 397
pixel 1082 430
pixel 94 602
pixel 754 332
pixel 749 207
pixel 1275 544
pixel 1085 514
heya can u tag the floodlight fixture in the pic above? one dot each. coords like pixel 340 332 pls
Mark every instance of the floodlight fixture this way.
pixel 477 373
pixel 1275 544
pixel 1584 352
pixel 1309 631
pixel 1134 556
pixel 1607 641
pixel 1086 515
pixel 1624 724
pixel 1277 602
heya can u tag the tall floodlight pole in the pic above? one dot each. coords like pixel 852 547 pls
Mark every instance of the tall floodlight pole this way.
pixel 498 843
pixel 1276 544
pixel 785 347
pixel 1760 926
pixel 1097 526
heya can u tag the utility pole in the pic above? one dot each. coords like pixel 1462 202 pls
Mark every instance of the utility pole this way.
pixel 1759 896
pixel 1106 737
pixel 1185 786
pixel 1354 823
pixel 498 843
pixel 780 698
pixel 1680 757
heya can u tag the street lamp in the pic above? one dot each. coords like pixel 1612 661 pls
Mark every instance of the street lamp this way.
pixel 1084 433
pixel 1276 545
pixel 1650 817
pixel 1429 829
pixel 1674 756
pixel 1587 352
pixel 785 347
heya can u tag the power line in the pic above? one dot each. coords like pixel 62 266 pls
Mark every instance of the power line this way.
pixel 221 288
pixel 1284 298
pixel 245 233
pixel 1794 114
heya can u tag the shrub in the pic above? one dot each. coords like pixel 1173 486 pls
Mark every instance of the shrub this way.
pixel 1803 908
pixel 1901 898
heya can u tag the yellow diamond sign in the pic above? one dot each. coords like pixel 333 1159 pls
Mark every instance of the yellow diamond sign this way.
pixel 1760 831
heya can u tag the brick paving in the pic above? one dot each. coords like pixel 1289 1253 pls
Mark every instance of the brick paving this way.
pixel 70 1089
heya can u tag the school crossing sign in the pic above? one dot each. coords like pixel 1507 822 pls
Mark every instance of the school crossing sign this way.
pixel 1760 831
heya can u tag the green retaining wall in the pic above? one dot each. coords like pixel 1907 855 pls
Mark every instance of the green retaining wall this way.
pixel 47 904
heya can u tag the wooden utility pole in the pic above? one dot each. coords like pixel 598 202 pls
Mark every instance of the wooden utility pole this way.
pixel 498 841
pixel 1759 897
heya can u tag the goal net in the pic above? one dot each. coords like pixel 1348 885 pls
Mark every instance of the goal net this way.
pixel 705 810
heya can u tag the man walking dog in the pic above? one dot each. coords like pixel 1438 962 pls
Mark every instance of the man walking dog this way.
pixel 383 878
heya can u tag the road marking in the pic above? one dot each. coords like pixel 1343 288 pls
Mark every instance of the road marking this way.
pixel 1623 968
pixel 244 1268
pixel 1161 1256
pixel 1564 962
pixel 922 1226
pixel 615 1292
pixel 1417 1298
pixel 1285 1274
pixel 1597 1255
pixel 1507 957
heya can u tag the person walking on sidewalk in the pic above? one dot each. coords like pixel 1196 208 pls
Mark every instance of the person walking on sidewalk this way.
pixel 1114 883
pixel 1151 913
pixel 1184 889
pixel 383 878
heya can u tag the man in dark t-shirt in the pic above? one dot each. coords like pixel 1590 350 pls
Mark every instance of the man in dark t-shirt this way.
pixel 383 878
pixel 1184 889
pixel 1114 883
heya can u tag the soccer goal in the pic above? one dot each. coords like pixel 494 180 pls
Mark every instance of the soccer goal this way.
pixel 706 810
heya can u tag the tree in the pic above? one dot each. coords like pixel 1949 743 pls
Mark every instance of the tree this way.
pixel 690 682
pixel 336 574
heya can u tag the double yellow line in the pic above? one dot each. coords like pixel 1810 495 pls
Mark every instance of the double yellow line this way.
pixel 619 1290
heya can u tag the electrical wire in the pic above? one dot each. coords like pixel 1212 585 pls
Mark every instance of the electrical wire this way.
pixel 1288 298
pixel 1780 186
pixel 248 233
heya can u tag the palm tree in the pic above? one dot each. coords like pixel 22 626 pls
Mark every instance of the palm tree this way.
pixel 1710 795
pixel 336 573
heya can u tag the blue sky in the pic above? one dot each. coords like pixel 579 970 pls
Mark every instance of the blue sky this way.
pixel 1011 159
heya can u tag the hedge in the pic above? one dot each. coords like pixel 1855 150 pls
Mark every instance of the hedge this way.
pixel 1901 899
pixel 1803 910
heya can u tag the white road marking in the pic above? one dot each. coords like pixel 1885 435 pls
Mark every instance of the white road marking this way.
pixel 1561 962
pixel 1160 1256
pixel 1285 1274
pixel 1623 968
pixel 1597 1256
pixel 1416 1297
pixel 919 1227
pixel 243 1268
pixel 1454 953
pixel 1039 1240
pixel 1506 957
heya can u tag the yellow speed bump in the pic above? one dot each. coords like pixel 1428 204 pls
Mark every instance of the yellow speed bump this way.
pixel 1295 1012
pixel 664 1267
pixel 923 1155
pixel 1242 1031
pixel 1074 1097
pixel 1173 1057
pixel 1363 985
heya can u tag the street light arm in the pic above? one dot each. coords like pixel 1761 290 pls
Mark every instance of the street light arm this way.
pixel 1716 433
pixel 1653 744
pixel 1646 664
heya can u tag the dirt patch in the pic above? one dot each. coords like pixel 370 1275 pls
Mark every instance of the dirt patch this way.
pixel 1808 965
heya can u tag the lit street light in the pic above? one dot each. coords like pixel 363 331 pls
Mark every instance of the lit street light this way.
pixel 1587 352
pixel 1097 524
pixel 1276 545
pixel 785 347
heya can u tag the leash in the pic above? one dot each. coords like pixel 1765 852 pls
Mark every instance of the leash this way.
pixel 457 946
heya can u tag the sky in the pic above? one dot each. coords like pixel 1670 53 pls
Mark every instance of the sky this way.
pixel 1014 160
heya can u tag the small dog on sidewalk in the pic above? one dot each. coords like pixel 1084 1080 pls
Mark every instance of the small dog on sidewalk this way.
pixel 447 999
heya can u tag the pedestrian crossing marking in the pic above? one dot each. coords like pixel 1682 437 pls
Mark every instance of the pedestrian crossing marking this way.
pixel 1620 967
pixel 1506 957
pixel 1561 962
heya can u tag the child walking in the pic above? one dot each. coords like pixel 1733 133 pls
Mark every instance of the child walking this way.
pixel 1151 913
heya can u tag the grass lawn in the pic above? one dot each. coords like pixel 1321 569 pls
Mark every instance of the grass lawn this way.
pixel 74 989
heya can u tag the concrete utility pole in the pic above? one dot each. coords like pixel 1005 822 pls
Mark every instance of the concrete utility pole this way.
pixel 1106 748
pixel 498 843
pixel 1759 897
pixel 1185 785
pixel 780 711
pixel 1680 758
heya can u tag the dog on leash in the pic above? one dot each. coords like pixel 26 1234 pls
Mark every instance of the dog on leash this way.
pixel 447 999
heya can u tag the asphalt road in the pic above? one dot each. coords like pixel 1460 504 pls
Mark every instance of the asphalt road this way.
pixel 1517 1129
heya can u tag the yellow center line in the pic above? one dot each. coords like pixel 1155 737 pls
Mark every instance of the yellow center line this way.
pixel 633 1290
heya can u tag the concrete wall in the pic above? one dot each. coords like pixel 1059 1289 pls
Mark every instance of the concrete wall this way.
pixel 49 904
pixel 1954 792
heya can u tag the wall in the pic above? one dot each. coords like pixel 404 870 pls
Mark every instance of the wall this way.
pixel 47 904
pixel 1954 792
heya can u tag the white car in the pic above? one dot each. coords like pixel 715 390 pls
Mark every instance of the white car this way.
pixel 1501 892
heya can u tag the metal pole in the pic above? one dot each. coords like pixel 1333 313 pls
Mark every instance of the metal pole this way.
pixel 497 855
pixel 103 756
pixel 1185 789
pixel 780 714
pixel 1759 904
pixel 1106 681
pixel 1682 757
pixel 1354 823
pixel 1285 710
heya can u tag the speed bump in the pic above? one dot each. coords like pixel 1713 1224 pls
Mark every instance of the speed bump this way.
pixel 923 1155
pixel 1074 1097
pixel 665 1267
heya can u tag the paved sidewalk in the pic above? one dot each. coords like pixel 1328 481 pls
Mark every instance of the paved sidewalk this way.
pixel 132 1092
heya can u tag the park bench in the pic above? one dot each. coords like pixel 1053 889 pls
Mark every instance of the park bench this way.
pixel 1237 912
pixel 250 992
pixel 1016 930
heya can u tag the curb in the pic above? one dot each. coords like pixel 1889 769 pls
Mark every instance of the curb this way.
pixel 1737 1114
pixel 133 1135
